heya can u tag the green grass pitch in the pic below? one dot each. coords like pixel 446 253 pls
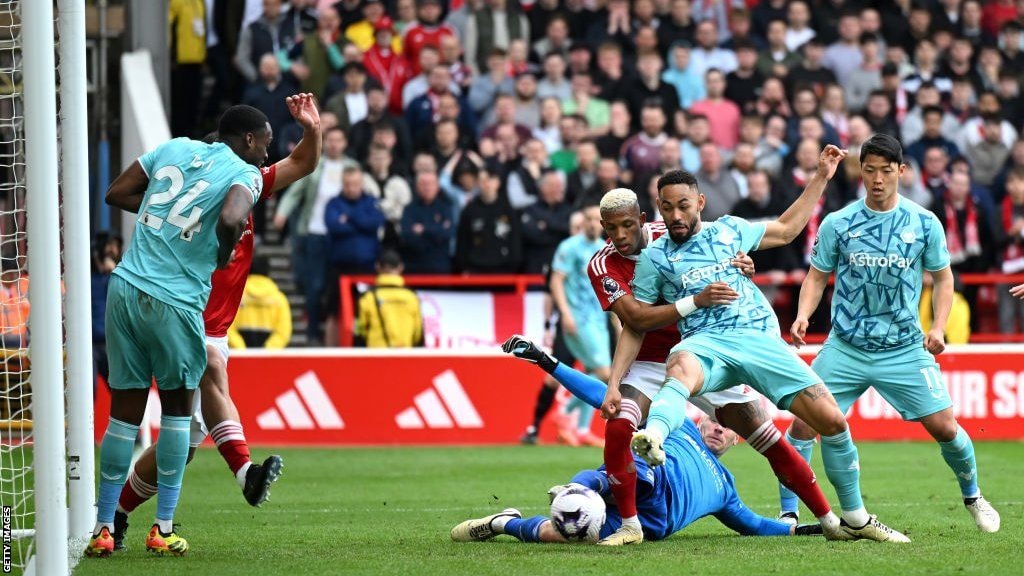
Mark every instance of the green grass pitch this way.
pixel 389 511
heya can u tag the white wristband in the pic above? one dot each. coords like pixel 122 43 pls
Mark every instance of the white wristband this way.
pixel 685 306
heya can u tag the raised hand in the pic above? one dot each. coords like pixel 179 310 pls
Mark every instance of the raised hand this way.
pixel 829 160
pixel 302 107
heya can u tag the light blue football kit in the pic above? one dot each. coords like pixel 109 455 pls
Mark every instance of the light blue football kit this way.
pixel 155 304
pixel 591 344
pixel 160 288
pixel 879 259
pixel 735 343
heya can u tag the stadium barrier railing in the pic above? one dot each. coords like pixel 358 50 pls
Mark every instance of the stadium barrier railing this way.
pixel 519 284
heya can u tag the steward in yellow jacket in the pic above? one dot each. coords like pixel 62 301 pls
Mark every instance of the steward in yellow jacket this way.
pixel 264 318
pixel 389 313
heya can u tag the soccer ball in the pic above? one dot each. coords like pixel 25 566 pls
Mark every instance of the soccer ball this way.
pixel 578 513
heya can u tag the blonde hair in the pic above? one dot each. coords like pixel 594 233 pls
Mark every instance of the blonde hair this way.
pixel 618 199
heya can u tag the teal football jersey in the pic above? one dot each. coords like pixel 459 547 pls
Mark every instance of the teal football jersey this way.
pixel 878 259
pixel 672 271
pixel 173 250
pixel 572 258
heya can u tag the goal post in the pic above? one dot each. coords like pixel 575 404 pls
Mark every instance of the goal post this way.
pixel 46 342
pixel 75 179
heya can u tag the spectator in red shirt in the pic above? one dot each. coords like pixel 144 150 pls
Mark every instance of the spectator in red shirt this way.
pixel 723 115
pixel 426 31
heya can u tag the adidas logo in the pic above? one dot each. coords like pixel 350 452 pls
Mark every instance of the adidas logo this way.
pixel 317 412
pixel 439 405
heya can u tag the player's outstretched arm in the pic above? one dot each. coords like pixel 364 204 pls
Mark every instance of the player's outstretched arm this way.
pixel 782 231
pixel 233 215
pixel 306 154
pixel 942 303
pixel 736 516
pixel 810 296
pixel 128 189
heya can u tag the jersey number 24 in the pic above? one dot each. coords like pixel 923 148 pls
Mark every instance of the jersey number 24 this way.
pixel 188 223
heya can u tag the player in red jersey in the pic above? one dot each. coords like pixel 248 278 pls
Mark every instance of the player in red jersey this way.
pixel 632 387
pixel 213 405
pixel 425 31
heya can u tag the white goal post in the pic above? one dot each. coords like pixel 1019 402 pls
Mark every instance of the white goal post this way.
pixel 46 427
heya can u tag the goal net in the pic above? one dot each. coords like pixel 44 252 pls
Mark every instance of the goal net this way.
pixel 42 444
pixel 16 480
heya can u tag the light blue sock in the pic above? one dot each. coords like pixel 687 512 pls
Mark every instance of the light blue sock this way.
pixel 525 529
pixel 842 467
pixel 586 416
pixel 586 388
pixel 115 461
pixel 788 500
pixel 668 410
pixel 171 455
pixel 959 454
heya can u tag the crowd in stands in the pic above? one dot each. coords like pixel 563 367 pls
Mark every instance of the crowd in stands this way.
pixel 465 133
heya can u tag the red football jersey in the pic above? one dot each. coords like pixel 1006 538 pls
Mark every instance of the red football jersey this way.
pixel 611 275
pixel 418 35
pixel 229 282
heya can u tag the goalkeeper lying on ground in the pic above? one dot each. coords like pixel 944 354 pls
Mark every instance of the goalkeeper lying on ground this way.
pixel 691 485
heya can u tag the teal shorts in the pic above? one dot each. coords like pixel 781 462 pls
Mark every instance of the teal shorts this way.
pixel 761 360
pixel 908 377
pixel 591 344
pixel 148 339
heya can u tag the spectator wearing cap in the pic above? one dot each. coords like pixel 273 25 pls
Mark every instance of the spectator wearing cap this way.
pixel 272 33
pixel 867 77
pixel 777 59
pixel 554 84
pixel 350 105
pixel 427 228
pixel 382 62
pixel 810 71
pixel 707 54
pixel 798 30
pixel 723 115
pixel 426 31
pixel 689 86
pixel 743 84
pixel 678 25
pixel 362 32
pixel 495 25
pixel 489 239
